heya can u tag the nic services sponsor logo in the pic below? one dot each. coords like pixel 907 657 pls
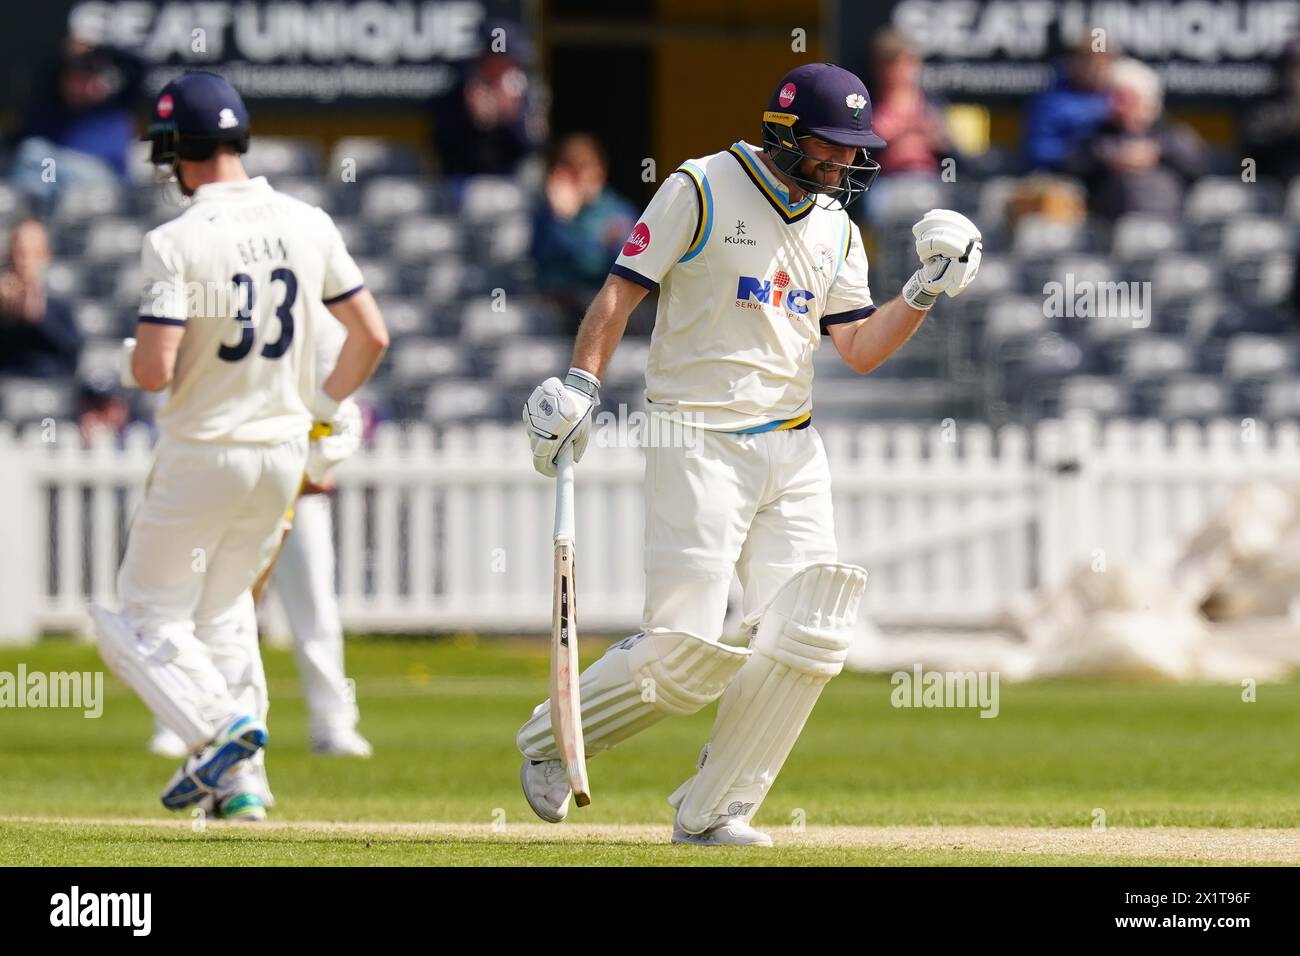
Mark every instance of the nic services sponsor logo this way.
pixel 755 293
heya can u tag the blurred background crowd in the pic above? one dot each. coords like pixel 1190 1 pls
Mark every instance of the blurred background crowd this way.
pixel 485 214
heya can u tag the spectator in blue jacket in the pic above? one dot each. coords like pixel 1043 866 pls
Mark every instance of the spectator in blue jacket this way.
pixel 80 130
pixel 38 332
pixel 1060 118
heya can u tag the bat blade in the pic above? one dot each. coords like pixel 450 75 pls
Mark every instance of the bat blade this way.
pixel 566 709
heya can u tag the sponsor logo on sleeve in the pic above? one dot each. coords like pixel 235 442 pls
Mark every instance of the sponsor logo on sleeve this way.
pixel 638 241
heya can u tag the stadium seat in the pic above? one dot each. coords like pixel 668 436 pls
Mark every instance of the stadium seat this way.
pixel 27 400
pixel 1197 397
pixel 531 360
pixel 1157 357
pixel 422 239
pixel 100 362
pixel 493 198
pixel 1040 236
pixel 79 204
pixel 482 322
pixel 1101 396
pixel 416 360
pixel 13 204
pixel 905 198
pixel 370 156
pixel 381 275
pixel 1219 198
pixel 1015 318
pixel 1281 399
pixel 1141 237
pixel 94 318
pixel 1255 237
pixel 65 279
pixel 457 401
pixel 113 238
pixel 1258 356
pixel 407 316
pixel 277 157
pixel 390 199
pixel 1184 276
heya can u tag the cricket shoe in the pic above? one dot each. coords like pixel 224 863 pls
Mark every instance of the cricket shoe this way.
pixel 727 830
pixel 165 743
pixel 200 774
pixel 343 743
pixel 243 807
pixel 546 788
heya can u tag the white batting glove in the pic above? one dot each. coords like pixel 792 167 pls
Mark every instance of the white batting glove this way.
pixel 950 247
pixel 559 414
pixel 334 440
pixel 124 373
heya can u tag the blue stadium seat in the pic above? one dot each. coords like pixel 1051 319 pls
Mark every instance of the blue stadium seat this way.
pixel 1184 276
pixel 1256 237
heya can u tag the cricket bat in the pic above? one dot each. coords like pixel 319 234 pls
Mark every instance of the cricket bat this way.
pixel 566 709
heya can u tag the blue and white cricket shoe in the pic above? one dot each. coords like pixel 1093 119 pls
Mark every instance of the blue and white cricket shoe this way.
pixel 200 774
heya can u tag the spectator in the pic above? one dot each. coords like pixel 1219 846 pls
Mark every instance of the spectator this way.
pixel 1060 118
pixel 38 333
pixel 1135 161
pixel 482 127
pixel 82 128
pixel 909 121
pixel 103 409
pixel 581 224
pixel 1271 132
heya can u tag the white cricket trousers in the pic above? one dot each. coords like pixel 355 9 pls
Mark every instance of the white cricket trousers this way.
pixel 758 506
pixel 209 522
pixel 303 579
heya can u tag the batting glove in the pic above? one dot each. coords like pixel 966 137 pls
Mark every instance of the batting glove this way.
pixel 334 440
pixel 559 414
pixel 950 247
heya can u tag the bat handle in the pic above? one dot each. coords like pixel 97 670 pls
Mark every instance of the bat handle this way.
pixel 564 496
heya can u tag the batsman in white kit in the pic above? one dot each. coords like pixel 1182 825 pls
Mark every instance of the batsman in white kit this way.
pixel 755 259
pixel 236 290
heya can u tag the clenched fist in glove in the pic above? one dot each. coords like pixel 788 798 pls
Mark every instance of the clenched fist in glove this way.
pixel 559 413
pixel 949 246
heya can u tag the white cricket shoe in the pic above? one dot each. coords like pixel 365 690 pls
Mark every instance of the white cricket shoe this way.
pixel 727 830
pixel 546 788
pixel 165 743
pixel 341 743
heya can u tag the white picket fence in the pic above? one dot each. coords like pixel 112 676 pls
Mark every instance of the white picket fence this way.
pixel 451 531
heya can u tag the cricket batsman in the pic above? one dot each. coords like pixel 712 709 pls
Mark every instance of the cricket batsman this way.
pixel 755 259
pixel 237 288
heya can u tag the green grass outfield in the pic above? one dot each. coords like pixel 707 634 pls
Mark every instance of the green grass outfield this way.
pixel 1183 774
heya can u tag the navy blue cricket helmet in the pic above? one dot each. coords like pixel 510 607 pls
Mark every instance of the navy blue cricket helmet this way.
pixel 829 102
pixel 193 115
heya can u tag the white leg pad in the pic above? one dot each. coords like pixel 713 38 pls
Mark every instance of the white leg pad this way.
pixel 173 676
pixel 638 682
pixel 802 640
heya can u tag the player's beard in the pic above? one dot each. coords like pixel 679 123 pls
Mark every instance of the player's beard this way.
pixel 830 177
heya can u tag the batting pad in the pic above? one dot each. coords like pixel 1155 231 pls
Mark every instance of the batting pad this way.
pixel 802 640
pixel 162 674
pixel 638 682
